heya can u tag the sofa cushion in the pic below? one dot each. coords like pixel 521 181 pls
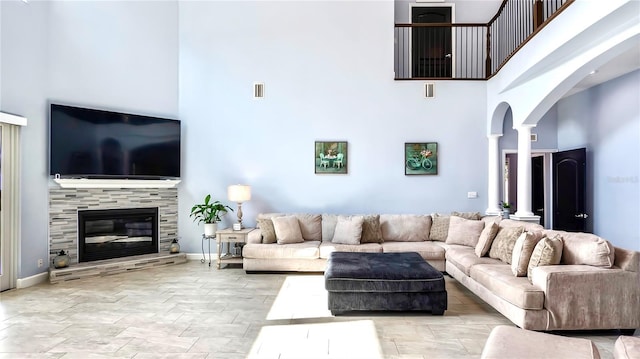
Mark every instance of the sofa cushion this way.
pixel 329 222
pixel 464 231
pixel 511 342
pixel 498 279
pixel 528 226
pixel 468 215
pixel 427 250
pixel 626 347
pixel 287 229
pixel 327 248
pixel 267 230
pixel 310 226
pixel 522 251
pixel 439 227
pixel 302 250
pixel 371 231
pixel 502 245
pixel 547 252
pixel 348 230
pixel 464 258
pixel 628 260
pixel 585 248
pixel 486 238
pixel 492 219
pixel 405 227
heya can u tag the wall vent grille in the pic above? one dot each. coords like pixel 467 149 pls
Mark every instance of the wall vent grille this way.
pixel 534 137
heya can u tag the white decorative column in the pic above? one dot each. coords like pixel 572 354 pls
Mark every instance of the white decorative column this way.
pixel 493 192
pixel 524 212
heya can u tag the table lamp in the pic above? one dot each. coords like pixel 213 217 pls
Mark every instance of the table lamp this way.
pixel 239 193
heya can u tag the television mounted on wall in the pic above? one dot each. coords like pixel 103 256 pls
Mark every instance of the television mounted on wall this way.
pixel 92 143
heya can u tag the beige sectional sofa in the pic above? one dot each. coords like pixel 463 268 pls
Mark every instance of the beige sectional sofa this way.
pixel 595 285
pixel 399 233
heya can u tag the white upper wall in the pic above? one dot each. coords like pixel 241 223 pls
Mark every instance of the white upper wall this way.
pixel 586 35
pixel 328 74
pixel 118 55
pixel 466 11
pixel 113 55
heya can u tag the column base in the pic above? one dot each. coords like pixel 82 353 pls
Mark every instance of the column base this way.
pixel 531 219
pixel 493 212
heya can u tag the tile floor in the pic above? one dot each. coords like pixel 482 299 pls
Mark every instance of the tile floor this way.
pixel 193 311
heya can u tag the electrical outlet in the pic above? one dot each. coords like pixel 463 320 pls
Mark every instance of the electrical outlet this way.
pixel 40 262
pixel 472 194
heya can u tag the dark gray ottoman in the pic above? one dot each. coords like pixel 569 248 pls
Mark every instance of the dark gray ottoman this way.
pixel 383 281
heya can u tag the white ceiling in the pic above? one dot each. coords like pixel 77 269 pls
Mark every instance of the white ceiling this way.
pixel 623 64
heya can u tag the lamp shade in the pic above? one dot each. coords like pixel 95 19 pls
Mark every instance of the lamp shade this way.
pixel 239 193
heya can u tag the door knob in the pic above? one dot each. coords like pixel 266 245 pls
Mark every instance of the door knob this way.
pixel 540 210
pixel 582 215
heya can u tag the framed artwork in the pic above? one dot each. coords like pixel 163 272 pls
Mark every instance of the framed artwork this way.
pixel 421 158
pixel 331 157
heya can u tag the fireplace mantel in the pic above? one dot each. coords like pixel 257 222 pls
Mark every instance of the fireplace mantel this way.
pixel 114 183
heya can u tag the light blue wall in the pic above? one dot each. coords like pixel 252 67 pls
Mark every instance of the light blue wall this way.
pixel 24 92
pixel 606 120
pixel 546 129
pixel 328 74
pixel 116 55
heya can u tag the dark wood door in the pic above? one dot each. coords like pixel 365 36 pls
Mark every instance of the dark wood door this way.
pixel 431 46
pixel 537 187
pixel 569 190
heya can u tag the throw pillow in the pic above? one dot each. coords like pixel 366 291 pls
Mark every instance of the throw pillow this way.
pixel 310 226
pixel 522 251
pixel 585 248
pixel 502 245
pixel 348 230
pixel 439 227
pixel 371 230
pixel 464 231
pixel 547 252
pixel 405 227
pixel 468 215
pixel 268 232
pixel 328 226
pixel 287 230
pixel 486 238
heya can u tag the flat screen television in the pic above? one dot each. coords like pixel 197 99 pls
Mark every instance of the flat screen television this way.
pixel 90 143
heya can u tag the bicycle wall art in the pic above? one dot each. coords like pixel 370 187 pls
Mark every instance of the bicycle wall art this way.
pixel 421 158
pixel 331 157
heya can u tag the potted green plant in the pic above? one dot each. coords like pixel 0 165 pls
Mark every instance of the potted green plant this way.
pixel 209 212
pixel 506 209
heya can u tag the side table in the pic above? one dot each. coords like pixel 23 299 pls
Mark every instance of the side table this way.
pixel 229 236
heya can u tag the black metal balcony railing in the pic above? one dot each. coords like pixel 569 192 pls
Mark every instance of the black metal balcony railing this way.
pixel 470 51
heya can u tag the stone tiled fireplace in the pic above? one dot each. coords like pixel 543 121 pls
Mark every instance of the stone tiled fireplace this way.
pixel 65 203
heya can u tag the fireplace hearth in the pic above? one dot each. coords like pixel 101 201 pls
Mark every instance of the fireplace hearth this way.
pixel 116 233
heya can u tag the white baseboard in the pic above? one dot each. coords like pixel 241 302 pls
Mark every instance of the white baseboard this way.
pixel 33 280
pixel 198 256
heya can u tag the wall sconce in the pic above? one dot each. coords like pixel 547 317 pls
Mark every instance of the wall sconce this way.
pixel 239 193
